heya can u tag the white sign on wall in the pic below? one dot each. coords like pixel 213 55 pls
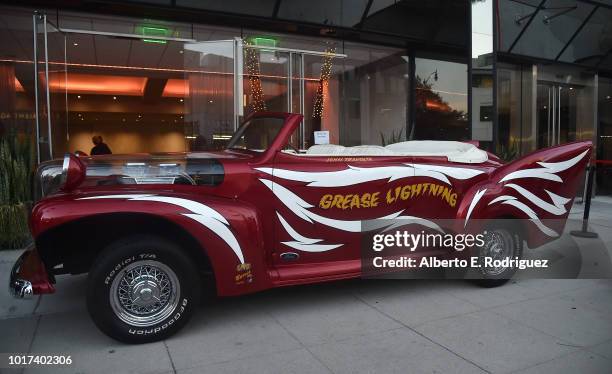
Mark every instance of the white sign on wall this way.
pixel 321 137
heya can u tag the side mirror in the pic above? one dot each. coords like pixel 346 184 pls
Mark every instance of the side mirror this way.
pixel 73 172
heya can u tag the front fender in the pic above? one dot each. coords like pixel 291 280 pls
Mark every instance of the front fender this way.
pixel 538 188
pixel 229 231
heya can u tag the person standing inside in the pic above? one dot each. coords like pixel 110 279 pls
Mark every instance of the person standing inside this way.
pixel 99 148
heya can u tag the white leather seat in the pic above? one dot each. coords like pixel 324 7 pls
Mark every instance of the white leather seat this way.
pixel 325 149
pixel 368 150
pixel 453 151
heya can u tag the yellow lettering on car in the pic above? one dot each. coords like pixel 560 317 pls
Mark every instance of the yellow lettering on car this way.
pixel 392 196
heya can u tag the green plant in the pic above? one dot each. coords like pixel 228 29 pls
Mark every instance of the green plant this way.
pixel 394 138
pixel 16 173
pixel 508 152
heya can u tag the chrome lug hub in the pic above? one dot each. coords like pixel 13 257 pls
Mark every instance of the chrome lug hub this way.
pixel 144 293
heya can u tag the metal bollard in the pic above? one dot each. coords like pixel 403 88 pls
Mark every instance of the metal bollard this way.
pixel 584 233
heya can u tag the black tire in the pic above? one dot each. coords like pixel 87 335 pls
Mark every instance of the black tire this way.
pixel 514 249
pixel 151 269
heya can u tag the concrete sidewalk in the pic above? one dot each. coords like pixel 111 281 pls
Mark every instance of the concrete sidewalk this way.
pixel 526 326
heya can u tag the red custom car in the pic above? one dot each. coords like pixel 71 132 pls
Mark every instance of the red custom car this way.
pixel 152 230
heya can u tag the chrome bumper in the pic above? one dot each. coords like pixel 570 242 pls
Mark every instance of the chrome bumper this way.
pixel 20 288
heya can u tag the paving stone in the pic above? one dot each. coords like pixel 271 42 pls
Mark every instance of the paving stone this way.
pixel 494 342
pixel 397 351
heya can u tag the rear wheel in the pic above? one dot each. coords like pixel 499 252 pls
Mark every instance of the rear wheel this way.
pixel 499 244
pixel 142 289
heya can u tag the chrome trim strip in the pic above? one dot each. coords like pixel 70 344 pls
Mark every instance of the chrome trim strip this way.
pixel 21 289
pixel 65 165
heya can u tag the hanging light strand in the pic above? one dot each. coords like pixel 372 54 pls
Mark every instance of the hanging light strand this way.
pixel 326 67
pixel 257 102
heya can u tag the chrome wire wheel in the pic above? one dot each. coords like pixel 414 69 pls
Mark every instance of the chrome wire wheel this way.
pixel 144 293
pixel 499 244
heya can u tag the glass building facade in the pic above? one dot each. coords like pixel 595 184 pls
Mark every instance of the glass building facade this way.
pixel 514 75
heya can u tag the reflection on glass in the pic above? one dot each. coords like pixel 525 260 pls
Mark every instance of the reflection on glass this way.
pixel 545 31
pixel 261 8
pixel 482 30
pixel 321 97
pixel 510 139
pixel 329 12
pixel 210 94
pixel 17 112
pixel 552 27
pixel 375 87
pixel 556 114
pixel 593 41
pixel 482 112
pixel 565 106
pixel 441 100
pixel 604 139
pixel 266 82
pixel 433 21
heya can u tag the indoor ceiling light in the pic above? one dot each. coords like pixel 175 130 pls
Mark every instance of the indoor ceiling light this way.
pixel 156 41
pixel 80 83
pixel 176 88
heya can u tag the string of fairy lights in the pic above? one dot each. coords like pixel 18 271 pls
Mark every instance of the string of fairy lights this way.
pixel 257 101
pixel 326 67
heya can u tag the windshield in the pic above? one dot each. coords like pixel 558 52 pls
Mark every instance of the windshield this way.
pixel 256 134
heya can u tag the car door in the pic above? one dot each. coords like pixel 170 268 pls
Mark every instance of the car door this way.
pixel 320 203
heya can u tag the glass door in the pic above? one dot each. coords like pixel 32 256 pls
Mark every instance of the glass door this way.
pixel 136 92
pixel 566 108
pixel 214 92
pixel 556 113
pixel 296 81
pixel 272 82
pixel 50 76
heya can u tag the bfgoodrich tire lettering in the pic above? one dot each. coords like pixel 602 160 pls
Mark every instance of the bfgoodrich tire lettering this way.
pixel 142 289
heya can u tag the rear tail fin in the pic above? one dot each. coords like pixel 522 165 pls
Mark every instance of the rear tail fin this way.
pixel 542 185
